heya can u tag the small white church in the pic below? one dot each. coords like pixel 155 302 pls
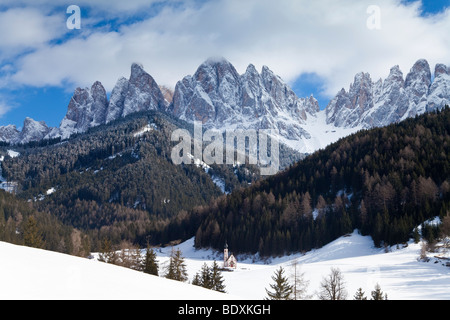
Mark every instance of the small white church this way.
pixel 228 261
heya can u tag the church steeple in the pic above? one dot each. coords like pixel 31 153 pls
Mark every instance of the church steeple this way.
pixel 225 253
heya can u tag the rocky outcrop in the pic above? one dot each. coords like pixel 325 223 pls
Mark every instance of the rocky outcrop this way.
pixel 368 104
pixel 87 109
pixel 219 97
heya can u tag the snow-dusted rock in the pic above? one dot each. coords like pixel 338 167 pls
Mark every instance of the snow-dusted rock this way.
pixel 439 92
pixel 9 133
pixel 143 92
pixel 87 109
pixel 33 131
pixel 369 104
pixel 117 100
pixel 220 98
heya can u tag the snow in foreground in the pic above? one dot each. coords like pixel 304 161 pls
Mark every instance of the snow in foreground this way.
pixel 27 273
pixel 399 273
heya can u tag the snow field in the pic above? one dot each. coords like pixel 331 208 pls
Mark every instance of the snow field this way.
pixel 399 273
pixel 28 273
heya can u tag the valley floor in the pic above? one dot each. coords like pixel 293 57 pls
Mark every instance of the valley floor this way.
pixel 27 273
pixel 399 272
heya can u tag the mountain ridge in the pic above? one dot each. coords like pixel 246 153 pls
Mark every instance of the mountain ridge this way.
pixel 221 98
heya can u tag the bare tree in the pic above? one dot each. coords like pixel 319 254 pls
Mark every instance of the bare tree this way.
pixel 333 286
pixel 445 230
pixel 299 284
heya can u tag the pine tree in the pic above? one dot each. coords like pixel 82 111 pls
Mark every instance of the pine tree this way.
pixel 177 268
pixel 150 264
pixel 359 295
pixel 196 281
pixel 377 294
pixel 205 277
pixel 209 278
pixel 136 259
pixel 281 288
pixel 107 254
pixel 31 235
pixel 416 235
pixel 217 280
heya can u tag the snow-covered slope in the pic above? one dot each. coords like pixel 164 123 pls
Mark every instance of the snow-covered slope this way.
pixel 28 273
pixel 399 273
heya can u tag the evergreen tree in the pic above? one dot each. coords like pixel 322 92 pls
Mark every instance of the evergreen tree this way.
pixel 31 234
pixel 217 279
pixel 209 278
pixel 282 290
pixel 177 267
pixel 359 295
pixel 107 254
pixel 416 235
pixel 206 277
pixel 196 281
pixel 377 294
pixel 136 259
pixel 150 264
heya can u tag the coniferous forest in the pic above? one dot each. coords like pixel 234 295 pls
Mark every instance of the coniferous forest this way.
pixel 117 184
pixel 383 181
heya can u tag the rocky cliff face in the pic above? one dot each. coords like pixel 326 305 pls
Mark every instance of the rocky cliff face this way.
pixel 90 107
pixel 220 98
pixel 368 104
pixel 87 109
pixel 32 131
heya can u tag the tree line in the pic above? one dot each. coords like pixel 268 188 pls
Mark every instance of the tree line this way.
pixel 383 181
pixel 111 183
pixel 332 287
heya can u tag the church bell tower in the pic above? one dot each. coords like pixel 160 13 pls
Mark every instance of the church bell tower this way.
pixel 225 255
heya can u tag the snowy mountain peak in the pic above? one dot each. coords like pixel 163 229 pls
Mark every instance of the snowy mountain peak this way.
pixel 33 130
pixel 86 109
pixel 221 98
pixel 143 93
pixel 369 104
pixel 440 69
pixel 90 107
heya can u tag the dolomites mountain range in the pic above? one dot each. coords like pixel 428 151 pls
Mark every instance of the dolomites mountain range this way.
pixel 221 98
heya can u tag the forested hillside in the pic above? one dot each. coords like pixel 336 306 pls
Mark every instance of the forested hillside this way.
pixel 117 181
pixel 383 181
pixel 21 224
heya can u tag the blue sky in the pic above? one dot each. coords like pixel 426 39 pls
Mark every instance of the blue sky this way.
pixel 316 46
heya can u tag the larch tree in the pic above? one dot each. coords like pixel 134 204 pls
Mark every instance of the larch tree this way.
pixel 333 286
pixel 299 284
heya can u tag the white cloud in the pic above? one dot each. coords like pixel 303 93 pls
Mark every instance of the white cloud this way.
pixel 326 37
pixel 25 29
pixel 4 108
